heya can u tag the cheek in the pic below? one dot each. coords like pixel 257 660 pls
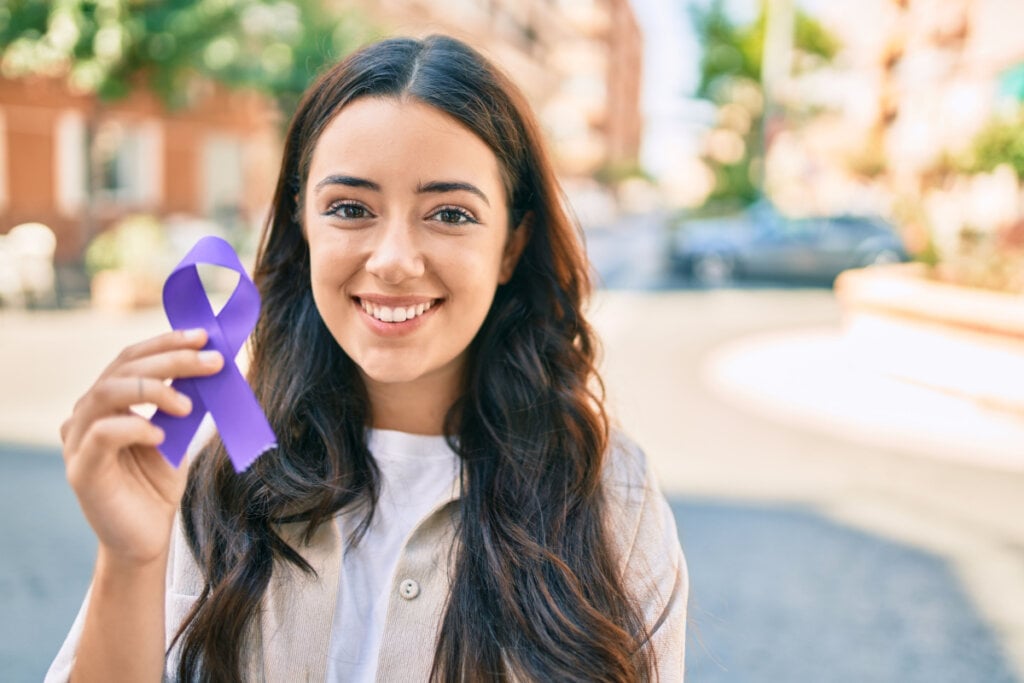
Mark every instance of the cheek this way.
pixel 330 255
pixel 329 271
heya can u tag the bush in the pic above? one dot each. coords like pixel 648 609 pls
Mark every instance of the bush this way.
pixel 137 243
pixel 1000 142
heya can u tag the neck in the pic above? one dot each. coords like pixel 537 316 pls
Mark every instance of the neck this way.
pixel 417 407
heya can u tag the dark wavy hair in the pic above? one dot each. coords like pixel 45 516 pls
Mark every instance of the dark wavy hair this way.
pixel 540 596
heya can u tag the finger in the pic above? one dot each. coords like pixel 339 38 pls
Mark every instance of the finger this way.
pixel 173 364
pixel 104 439
pixel 169 341
pixel 119 393
pixel 115 395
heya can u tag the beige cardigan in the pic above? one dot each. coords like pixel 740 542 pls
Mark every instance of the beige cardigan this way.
pixel 292 640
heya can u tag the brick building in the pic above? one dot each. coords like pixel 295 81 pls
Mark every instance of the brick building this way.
pixel 212 159
pixel 577 60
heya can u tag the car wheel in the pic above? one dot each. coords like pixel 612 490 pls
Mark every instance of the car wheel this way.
pixel 882 257
pixel 713 269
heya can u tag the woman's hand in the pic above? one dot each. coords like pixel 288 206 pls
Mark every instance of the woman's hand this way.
pixel 128 491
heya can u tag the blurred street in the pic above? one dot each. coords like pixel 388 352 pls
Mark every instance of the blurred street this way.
pixel 820 549
pixel 845 466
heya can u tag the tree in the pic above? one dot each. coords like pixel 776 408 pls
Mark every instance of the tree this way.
pixel 108 47
pixel 731 74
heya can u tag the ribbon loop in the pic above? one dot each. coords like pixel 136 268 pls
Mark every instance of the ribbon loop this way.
pixel 243 426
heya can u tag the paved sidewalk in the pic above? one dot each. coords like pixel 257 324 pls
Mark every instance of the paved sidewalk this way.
pixel 738 397
pixel 49 358
pixel 765 409
pixel 813 378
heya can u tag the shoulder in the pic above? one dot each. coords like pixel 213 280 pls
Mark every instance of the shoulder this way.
pixel 643 533
pixel 637 512
pixel 627 476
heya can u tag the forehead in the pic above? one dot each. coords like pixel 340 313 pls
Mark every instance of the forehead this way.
pixel 397 142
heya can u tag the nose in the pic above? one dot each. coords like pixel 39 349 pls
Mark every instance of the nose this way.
pixel 396 256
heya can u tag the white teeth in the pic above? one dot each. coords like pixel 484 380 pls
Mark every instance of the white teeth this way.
pixel 397 315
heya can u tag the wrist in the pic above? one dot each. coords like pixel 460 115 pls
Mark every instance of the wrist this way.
pixel 112 563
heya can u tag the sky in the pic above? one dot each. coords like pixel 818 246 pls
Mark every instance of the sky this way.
pixel 671 52
pixel 671 57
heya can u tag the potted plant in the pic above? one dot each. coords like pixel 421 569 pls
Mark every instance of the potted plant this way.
pixel 127 264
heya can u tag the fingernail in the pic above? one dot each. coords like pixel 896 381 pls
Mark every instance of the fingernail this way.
pixel 184 402
pixel 209 357
pixel 194 334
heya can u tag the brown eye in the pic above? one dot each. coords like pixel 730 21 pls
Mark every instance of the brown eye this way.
pixel 453 216
pixel 347 210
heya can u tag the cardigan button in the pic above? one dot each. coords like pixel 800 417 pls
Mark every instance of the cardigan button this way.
pixel 409 589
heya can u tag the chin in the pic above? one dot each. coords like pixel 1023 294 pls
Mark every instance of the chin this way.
pixel 390 374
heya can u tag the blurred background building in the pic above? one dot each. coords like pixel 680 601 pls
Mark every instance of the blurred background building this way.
pixel 215 158
pixel 80 150
pixel 892 124
pixel 579 62
pixel 696 140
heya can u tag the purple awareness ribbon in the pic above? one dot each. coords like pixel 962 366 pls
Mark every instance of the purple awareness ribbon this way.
pixel 226 395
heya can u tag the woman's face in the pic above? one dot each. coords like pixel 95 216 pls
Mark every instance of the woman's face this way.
pixel 407 223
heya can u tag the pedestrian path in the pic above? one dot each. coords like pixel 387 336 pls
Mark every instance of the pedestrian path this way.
pixel 811 377
pixel 778 592
pixel 782 595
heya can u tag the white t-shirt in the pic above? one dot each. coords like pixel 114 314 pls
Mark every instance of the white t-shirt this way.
pixel 417 472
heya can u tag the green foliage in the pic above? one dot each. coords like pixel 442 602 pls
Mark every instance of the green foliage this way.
pixel 728 50
pixel 811 38
pixel 105 46
pixel 614 173
pixel 999 142
pixel 734 184
pixel 135 244
pixel 734 51
pixel 733 54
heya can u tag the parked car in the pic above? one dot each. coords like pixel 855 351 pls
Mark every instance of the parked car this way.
pixel 763 243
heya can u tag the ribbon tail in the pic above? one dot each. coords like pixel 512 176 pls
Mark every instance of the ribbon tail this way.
pixel 178 431
pixel 243 427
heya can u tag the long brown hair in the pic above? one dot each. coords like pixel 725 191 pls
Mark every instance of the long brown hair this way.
pixel 540 595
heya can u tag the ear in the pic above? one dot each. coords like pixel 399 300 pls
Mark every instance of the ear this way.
pixel 518 236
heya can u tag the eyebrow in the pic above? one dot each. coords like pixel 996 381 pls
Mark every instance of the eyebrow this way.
pixel 438 186
pixel 349 181
pixel 441 186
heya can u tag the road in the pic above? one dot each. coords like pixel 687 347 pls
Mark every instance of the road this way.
pixel 814 556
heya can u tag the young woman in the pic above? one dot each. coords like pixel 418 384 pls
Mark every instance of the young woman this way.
pixel 447 501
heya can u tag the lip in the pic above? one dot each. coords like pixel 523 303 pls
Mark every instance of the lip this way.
pixel 393 329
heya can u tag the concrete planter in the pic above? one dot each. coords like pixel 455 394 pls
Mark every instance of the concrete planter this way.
pixel 964 341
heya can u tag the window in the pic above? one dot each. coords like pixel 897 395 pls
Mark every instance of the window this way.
pixel 70 161
pixel 129 163
pixel 223 184
pixel 4 191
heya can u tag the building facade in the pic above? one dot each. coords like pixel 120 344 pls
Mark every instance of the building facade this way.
pixel 214 159
pixel 578 62
pixel 78 164
pixel 915 82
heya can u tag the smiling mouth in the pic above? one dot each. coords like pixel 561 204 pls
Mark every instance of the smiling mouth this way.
pixel 396 314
